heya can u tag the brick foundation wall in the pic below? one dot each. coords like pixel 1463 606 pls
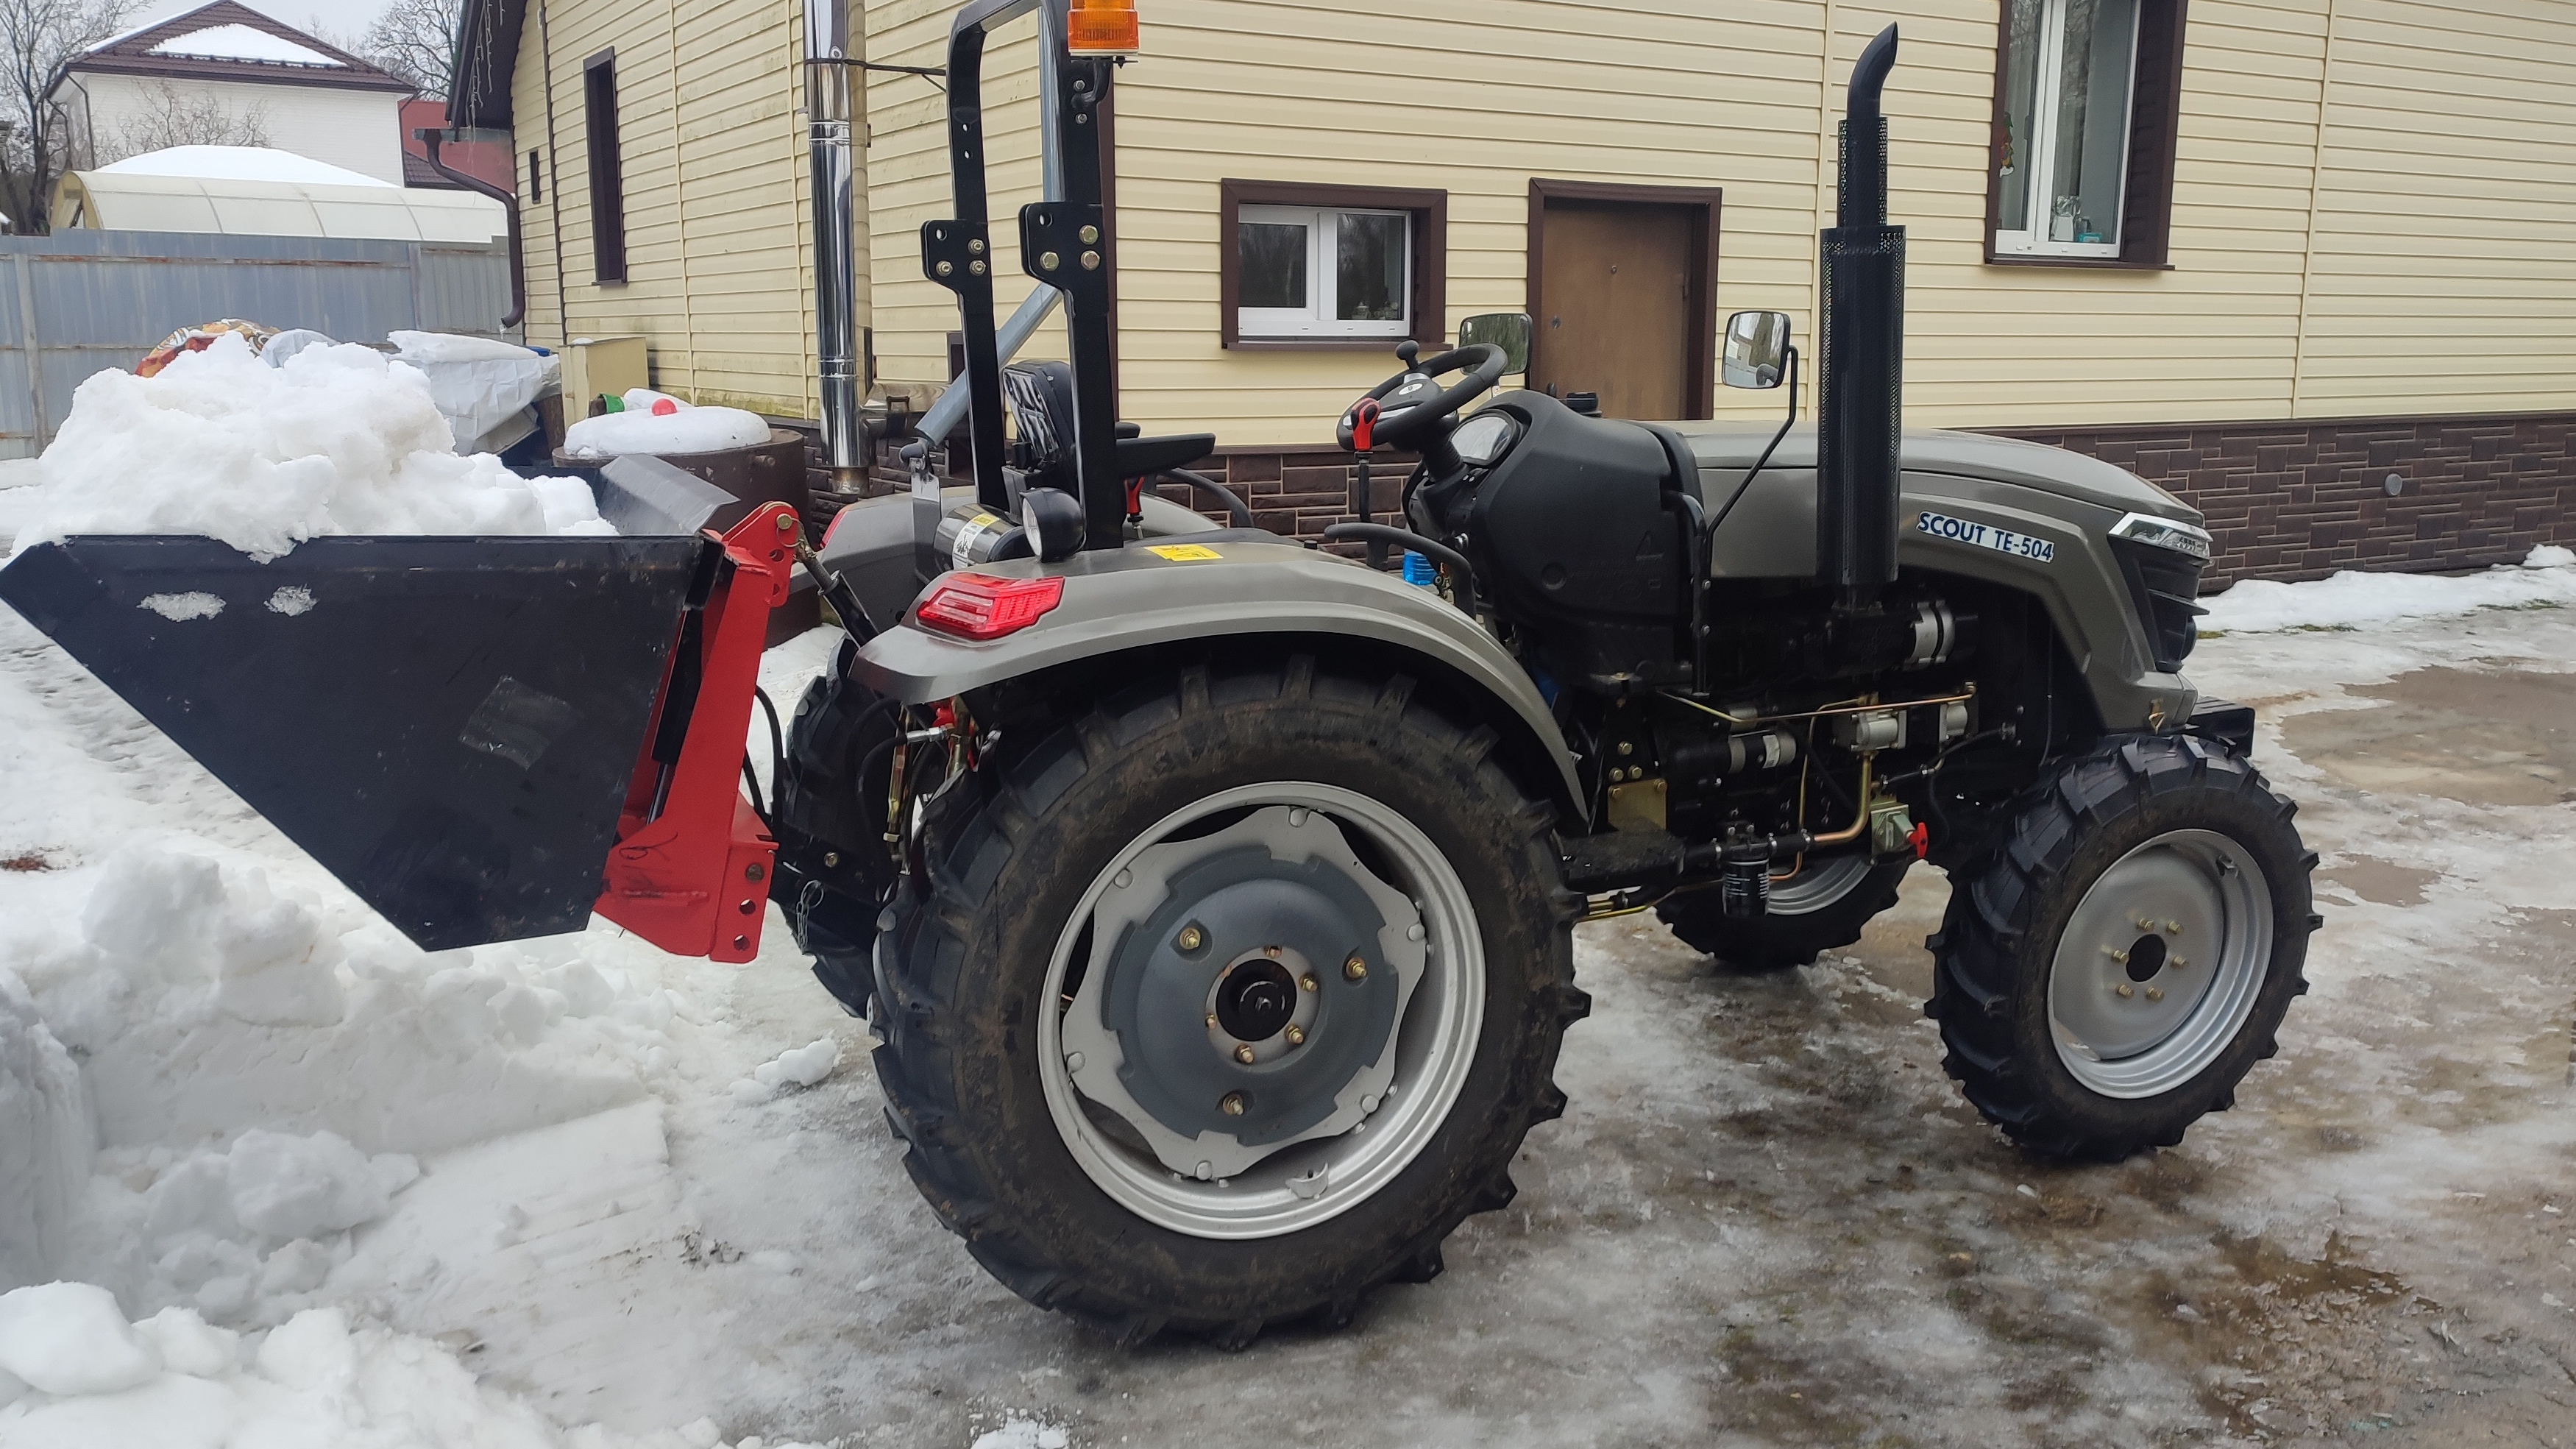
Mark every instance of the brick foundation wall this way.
pixel 2286 500
pixel 2302 500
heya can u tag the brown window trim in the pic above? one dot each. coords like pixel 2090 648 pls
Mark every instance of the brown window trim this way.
pixel 1430 300
pixel 2155 114
pixel 1699 381
pixel 607 174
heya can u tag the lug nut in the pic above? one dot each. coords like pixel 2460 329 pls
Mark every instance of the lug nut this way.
pixel 1243 1054
pixel 1191 938
pixel 1307 981
pixel 1626 748
pixel 2155 993
pixel 1270 951
pixel 1211 1021
pixel 1355 969
pixel 1232 1106
pixel 2121 990
pixel 2116 954
pixel 1296 1035
pixel 2173 928
pixel 2176 962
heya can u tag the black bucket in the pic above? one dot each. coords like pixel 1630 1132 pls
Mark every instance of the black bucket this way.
pixel 447 724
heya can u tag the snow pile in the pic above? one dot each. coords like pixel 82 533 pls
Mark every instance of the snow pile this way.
pixel 805 1066
pixel 2545 578
pixel 657 422
pixel 74 1374
pixel 335 440
pixel 45 1137
pixel 264 1067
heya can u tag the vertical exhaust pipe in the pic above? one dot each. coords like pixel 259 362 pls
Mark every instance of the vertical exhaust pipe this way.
pixel 830 63
pixel 1860 410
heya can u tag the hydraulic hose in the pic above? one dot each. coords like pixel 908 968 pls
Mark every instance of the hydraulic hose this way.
pixel 1462 575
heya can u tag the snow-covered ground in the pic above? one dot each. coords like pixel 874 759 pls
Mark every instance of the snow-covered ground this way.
pixel 579 1192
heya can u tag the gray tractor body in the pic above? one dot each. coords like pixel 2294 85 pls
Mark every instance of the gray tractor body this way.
pixel 2059 509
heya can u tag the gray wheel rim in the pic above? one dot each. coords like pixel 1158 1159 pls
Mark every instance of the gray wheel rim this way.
pixel 1382 1117
pixel 2160 964
pixel 1818 884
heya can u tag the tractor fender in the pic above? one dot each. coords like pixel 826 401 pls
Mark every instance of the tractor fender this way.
pixel 869 543
pixel 1151 594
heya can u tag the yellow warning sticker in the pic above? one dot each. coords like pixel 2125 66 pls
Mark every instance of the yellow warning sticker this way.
pixel 1184 552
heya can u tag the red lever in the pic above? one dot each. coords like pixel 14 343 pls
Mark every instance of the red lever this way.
pixel 1921 839
pixel 1364 425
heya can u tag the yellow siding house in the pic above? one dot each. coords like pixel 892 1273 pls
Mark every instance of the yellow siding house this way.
pixel 2308 263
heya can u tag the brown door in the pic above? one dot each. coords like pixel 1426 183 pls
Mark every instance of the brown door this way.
pixel 1619 306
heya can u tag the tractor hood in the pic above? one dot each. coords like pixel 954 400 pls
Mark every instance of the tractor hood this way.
pixel 1730 448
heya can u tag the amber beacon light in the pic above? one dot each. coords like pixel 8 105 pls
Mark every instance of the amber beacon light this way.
pixel 1102 27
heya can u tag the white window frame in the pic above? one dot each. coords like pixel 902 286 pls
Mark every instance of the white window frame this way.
pixel 1323 239
pixel 2037 152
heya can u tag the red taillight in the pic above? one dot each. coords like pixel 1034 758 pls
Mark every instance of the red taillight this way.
pixel 979 606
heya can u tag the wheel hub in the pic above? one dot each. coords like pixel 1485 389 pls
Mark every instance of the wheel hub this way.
pixel 2159 963
pixel 1209 1020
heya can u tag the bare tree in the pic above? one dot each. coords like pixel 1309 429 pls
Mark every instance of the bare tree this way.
pixel 38 38
pixel 170 116
pixel 416 39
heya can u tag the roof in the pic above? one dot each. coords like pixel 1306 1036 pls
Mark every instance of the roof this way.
pixel 238 163
pixel 225 40
pixel 111 201
pixel 418 172
pixel 487 51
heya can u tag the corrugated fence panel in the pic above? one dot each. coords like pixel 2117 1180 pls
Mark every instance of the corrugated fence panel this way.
pixel 79 302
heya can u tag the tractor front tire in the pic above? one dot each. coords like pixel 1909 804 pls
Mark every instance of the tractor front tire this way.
pixel 2110 971
pixel 1169 800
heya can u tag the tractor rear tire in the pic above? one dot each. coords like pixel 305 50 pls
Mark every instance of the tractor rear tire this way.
pixel 978 978
pixel 2108 974
pixel 1803 920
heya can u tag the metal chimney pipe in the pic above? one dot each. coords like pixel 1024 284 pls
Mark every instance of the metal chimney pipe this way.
pixel 832 53
pixel 1860 408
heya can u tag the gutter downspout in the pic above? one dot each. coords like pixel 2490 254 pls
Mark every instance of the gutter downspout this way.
pixel 829 60
pixel 429 138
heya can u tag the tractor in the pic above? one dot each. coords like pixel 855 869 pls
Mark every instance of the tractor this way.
pixel 1212 892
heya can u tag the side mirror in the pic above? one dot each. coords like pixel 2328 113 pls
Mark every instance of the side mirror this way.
pixel 1757 348
pixel 1509 331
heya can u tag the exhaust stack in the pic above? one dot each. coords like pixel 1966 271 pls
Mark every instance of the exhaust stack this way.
pixel 1860 407
pixel 830 60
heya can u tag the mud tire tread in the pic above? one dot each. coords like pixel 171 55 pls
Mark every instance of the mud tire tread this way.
pixel 936 1044
pixel 1992 955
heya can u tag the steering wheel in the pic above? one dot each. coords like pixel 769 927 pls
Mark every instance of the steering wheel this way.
pixel 1411 407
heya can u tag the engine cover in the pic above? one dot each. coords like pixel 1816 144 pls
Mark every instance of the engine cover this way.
pixel 1575 534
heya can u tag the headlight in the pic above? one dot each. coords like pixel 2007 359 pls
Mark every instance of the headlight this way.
pixel 2164 533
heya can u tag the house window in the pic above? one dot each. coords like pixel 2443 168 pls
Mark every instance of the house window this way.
pixel 607 183
pixel 1323 266
pixel 2086 94
pixel 1311 271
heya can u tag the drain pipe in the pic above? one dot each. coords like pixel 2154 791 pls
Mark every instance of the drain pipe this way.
pixel 429 139
pixel 832 56
pixel 1859 409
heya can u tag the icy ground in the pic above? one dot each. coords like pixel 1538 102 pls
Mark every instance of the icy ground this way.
pixel 485 1197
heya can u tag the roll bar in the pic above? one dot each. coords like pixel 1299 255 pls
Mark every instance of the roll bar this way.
pixel 1062 245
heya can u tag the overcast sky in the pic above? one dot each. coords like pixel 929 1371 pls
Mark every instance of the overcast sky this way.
pixel 341 19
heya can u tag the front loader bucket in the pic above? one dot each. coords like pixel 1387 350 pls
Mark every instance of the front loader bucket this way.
pixel 449 725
